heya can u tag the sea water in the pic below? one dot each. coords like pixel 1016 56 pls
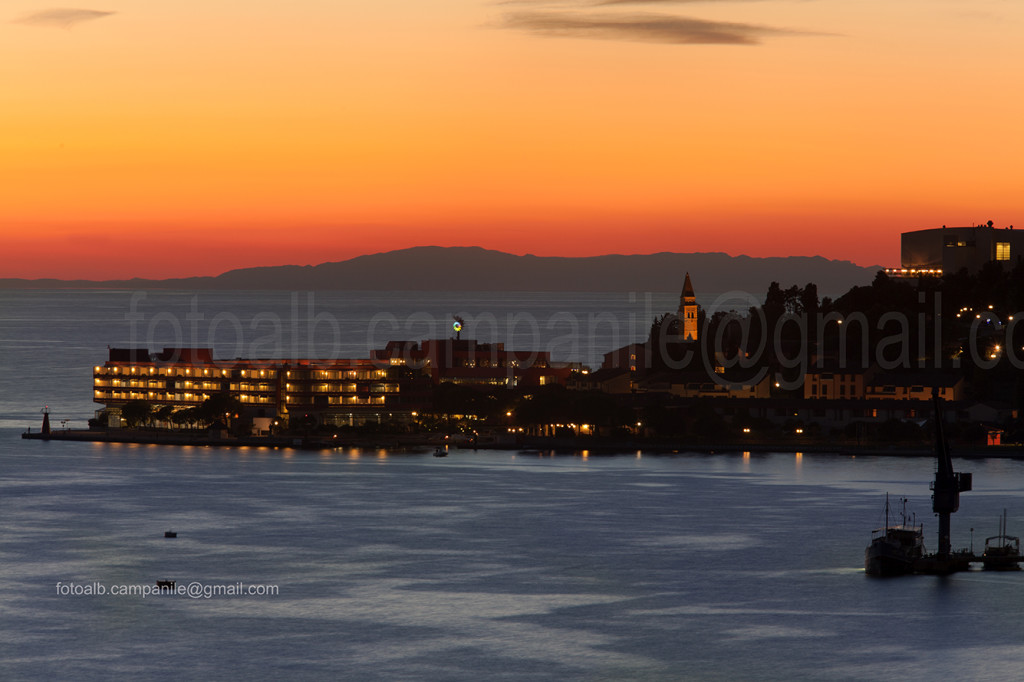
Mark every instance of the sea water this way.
pixel 378 565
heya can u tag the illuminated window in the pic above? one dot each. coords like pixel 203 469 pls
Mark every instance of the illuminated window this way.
pixel 1002 250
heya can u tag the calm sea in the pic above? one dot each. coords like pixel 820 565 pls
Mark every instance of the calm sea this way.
pixel 376 565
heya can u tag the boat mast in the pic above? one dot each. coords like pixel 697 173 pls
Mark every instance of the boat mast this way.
pixel 948 484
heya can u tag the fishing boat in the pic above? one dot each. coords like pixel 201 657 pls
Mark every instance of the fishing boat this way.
pixel 900 549
pixel 895 547
pixel 1002 552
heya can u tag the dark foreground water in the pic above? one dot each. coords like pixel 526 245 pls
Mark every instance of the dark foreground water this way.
pixel 487 565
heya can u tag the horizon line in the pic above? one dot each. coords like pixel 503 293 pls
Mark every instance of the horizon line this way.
pixel 432 246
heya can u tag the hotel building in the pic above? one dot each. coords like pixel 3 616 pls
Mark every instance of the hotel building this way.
pixel 394 384
pixel 335 392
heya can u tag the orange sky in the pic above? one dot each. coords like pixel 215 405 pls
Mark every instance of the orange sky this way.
pixel 156 139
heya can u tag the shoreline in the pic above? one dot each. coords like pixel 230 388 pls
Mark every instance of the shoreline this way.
pixel 587 445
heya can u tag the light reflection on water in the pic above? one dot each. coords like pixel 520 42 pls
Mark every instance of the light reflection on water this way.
pixel 487 565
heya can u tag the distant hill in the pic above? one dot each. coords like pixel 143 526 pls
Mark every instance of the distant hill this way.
pixel 435 268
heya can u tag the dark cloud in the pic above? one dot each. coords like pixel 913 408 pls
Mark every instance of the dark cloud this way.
pixel 62 17
pixel 647 28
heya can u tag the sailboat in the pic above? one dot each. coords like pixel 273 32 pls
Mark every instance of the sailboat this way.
pixel 1002 552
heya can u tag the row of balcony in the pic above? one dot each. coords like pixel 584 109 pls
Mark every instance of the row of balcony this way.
pixel 179 371
pixel 114 395
pixel 215 386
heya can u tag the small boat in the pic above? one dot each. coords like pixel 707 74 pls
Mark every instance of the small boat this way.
pixel 894 548
pixel 1002 552
pixel 170 534
pixel 441 451
pixel 168 585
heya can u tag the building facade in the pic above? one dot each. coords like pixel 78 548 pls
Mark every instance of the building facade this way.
pixel 468 362
pixel 334 392
pixel 949 249
pixel 394 384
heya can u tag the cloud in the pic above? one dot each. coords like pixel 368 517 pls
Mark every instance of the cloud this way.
pixel 663 2
pixel 602 3
pixel 612 3
pixel 61 17
pixel 653 28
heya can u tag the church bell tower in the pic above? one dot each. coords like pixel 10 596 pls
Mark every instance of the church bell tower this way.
pixel 687 312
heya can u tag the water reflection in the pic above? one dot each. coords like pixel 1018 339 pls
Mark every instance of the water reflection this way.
pixel 730 566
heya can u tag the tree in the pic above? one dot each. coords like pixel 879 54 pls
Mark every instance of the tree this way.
pixel 136 412
pixel 216 406
pixel 164 412
pixel 184 416
pixel 809 299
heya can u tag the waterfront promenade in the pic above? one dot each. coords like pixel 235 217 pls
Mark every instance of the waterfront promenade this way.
pixel 595 445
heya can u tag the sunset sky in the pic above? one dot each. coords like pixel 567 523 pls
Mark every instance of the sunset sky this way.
pixel 153 138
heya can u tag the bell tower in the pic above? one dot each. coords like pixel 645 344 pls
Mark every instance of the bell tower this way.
pixel 687 312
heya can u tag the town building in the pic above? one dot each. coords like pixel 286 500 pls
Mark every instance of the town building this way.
pixel 613 380
pixel 468 362
pixel 699 383
pixel 915 385
pixel 950 249
pixel 832 382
